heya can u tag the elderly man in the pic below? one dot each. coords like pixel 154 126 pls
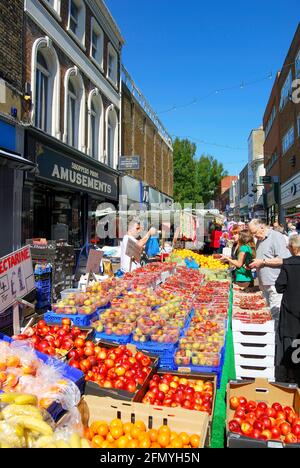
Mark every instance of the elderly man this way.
pixel 134 231
pixel 271 249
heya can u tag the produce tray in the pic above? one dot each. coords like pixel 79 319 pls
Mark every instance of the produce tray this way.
pixel 75 375
pixel 155 347
pixel 206 369
pixel 239 326
pixel 77 319
pixel 254 338
pixel 254 361
pixel 248 372
pixel 254 350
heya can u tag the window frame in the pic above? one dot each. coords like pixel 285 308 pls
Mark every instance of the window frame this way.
pixel 297 65
pixel 72 103
pixel 55 7
pixel 287 86
pixel 111 51
pixel 79 36
pixel 98 60
pixel 96 111
pixel 41 112
pixel 286 139
pixel 78 85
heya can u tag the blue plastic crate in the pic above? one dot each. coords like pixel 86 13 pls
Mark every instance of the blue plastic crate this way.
pixel 156 348
pixel 77 319
pixel 114 338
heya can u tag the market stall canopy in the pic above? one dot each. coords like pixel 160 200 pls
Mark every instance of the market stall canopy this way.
pixel 16 161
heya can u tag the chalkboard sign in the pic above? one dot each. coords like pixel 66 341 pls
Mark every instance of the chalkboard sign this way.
pixel 133 250
pixel 94 260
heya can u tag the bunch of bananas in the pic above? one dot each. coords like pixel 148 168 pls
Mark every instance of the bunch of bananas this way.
pixel 23 425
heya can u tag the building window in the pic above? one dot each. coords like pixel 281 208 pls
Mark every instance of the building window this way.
pixel 74 120
pixel 297 65
pixel 55 6
pixel 96 126
pixel 112 65
pixel 111 137
pixel 45 83
pixel 288 140
pixel 97 41
pixel 41 93
pixel 271 120
pixel 272 161
pixel 77 19
pixel 286 90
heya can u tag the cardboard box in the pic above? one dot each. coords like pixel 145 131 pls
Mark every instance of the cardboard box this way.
pixel 246 372
pixel 254 338
pixel 254 361
pixel 239 326
pixel 191 376
pixel 260 390
pixel 93 408
pixel 257 349
pixel 92 388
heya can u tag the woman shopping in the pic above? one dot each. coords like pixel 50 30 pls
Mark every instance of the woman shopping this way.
pixel 245 254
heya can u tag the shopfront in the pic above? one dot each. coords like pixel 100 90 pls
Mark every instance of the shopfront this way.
pixel 61 201
pixel 290 199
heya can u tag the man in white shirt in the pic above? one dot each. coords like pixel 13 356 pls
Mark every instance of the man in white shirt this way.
pixel 134 230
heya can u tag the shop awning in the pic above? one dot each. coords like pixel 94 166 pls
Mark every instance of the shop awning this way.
pixel 16 161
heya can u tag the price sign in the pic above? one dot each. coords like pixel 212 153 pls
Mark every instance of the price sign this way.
pixel 16 277
pixel 133 250
pixel 94 260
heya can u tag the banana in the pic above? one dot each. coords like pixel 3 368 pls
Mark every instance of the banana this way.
pixel 43 442
pixel 32 424
pixel 8 397
pixel 62 444
pixel 75 441
pixel 85 444
pixel 19 430
pixel 25 410
pixel 26 399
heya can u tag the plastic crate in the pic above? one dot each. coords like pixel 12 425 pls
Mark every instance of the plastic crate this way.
pixel 156 348
pixel 78 320
pixel 114 338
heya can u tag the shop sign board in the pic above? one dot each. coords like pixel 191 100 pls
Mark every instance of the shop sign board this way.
pixel 129 163
pixel 133 250
pixel 16 277
pixel 79 175
pixel 94 260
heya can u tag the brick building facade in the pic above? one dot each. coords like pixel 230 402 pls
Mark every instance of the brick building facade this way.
pixel 141 136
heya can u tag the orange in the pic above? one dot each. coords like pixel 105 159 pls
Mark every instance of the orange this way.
pixel 164 430
pixel 155 445
pixel 153 434
pixel 116 432
pixel 140 425
pixel 127 428
pixel 105 444
pixel 116 422
pixel 103 429
pixel 169 446
pixel 185 438
pixel 110 438
pixel 177 443
pixel 163 439
pixel 97 441
pixel 135 432
pixel 145 442
pixel 186 446
pixel 122 442
pixel 133 444
pixel 195 441
pixel 173 436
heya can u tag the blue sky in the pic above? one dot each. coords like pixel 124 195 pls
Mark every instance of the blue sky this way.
pixel 177 51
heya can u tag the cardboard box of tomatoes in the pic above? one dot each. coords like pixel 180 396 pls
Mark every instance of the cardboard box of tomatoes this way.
pixel 262 415
pixel 160 423
pixel 180 390
pixel 123 372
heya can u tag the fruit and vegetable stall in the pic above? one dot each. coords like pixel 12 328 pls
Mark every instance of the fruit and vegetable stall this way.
pixel 147 361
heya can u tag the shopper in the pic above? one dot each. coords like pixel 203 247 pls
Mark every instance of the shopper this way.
pixel 245 254
pixel 279 228
pixel 289 324
pixel 215 238
pixel 291 229
pixel 134 231
pixel 271 249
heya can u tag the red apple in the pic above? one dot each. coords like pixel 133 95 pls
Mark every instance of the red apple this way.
pixel 281 415
pixel 296 430
pixel 266 423
pixel 256 434
pixel 277 407
pixel 258 425
pixel 266 434
pixel 296 421
pixel 234 426
pixel 259 413
pixel 79 343
pixel 271 413
pixel 276 433
pixel 243 401
pixel 247 429
pixel 291 439
pixel 131 386
pixel 234 403
pixel 251 406
pixel 285 428
pixel 262 406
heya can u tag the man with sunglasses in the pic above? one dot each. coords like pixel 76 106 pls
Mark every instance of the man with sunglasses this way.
pixel 271 249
